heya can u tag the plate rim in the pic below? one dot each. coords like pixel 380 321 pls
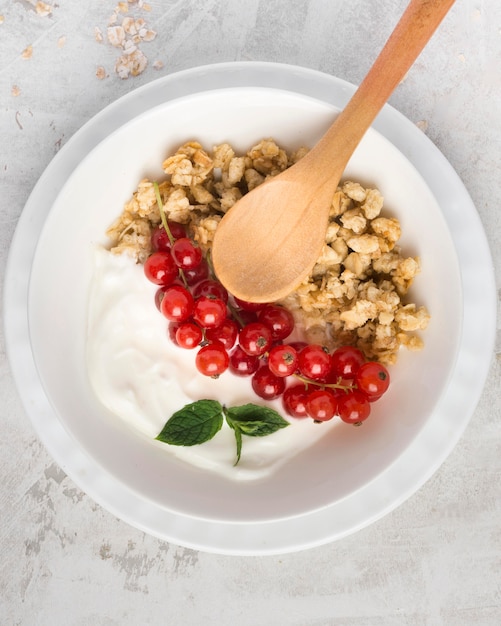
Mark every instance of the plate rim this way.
pixel 283 535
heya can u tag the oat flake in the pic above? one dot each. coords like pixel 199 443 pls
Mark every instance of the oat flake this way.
pixel 27 53
pixel 43 9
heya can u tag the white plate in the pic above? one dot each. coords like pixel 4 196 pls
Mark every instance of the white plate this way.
pixel 360 507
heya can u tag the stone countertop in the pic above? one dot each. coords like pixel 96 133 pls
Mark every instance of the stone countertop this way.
pixel 65 560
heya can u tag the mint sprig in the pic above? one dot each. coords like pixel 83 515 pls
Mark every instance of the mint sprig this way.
pixel 200 421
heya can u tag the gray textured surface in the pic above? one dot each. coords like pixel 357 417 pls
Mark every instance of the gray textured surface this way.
pixel 63 559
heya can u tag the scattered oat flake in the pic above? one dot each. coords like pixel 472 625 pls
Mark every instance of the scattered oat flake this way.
pixel 129 25
pixel 98 34
pixel 149 35
pixel 129 47
pixel 146 7
pixel 27 53
pixel 422 125
pixel 462 58
pixel 101 72
pixel 15 91
pixel 116 36
pixel 158 65
pixel 2 19
pixel 131 64
pixel 43 9
pixel 61 41
pixel 123 7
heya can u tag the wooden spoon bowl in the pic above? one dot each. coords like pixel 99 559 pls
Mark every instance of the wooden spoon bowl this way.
pixel 269 241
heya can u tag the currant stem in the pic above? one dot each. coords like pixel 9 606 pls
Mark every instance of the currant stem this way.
pixel 165 224
pixel 162 212
pixel 236 315
pixel 318 383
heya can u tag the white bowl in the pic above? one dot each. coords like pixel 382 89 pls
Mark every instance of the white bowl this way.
pixel 346 462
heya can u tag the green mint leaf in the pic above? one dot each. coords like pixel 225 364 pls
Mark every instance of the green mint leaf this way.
pixel 193 424
pixel 255 421
pixel 238 439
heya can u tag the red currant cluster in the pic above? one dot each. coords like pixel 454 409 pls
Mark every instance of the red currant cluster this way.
pixel 248 338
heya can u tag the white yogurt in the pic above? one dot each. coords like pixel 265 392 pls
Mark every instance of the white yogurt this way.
pixel 143 378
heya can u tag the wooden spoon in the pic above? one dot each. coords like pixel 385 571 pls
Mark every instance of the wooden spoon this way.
pixel 269 240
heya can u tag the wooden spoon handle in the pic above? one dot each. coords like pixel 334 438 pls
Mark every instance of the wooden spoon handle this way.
pixel 415 28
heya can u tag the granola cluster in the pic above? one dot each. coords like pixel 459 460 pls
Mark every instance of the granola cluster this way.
pixel 356 293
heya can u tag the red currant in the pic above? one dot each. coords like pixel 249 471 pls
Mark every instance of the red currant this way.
pixel 249 306
pixel 373 379
pixel 321 405
pixel 193 275
pixel 266 385
pixel 177 304
pixel 353 407
pixel 245 317
pixel 243 364
pixel 314 362
pixel 188 335
pixel 160 269
pixel 297 345
pixel 346 361
pixel 212 359
pixel 209 312
pixel 211 289
pixel 185 253
pixel 160 239
pixel 282 360
pixel 172 330
pixel 226 333
pixel 278 319
pixel 159 294
pixel 294 400
pixel 255 339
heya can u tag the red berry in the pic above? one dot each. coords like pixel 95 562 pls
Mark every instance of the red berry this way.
pixel 159 294
pixel 210 289
pixel 209 312
pixel 294 400
pixel 249 306
pixel 353 407
pixel 212 360
pixel 177 304
pixel 297 345
pixel 346 362
pixel 373 379
pixel 266 385
pixel 185 253
pixel 279 320
pixel 160 269
pixel 172 330
pixel 160 240
pixel 177 230
pixel 321 405
pixel 245 317
pixel 243 364
pixel 255 339
pixel 188 335
pixel 193 275
pixel 282 360
pixel 314 362
pixel 226 333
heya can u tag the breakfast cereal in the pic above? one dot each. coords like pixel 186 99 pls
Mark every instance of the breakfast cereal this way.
pixel 357 291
